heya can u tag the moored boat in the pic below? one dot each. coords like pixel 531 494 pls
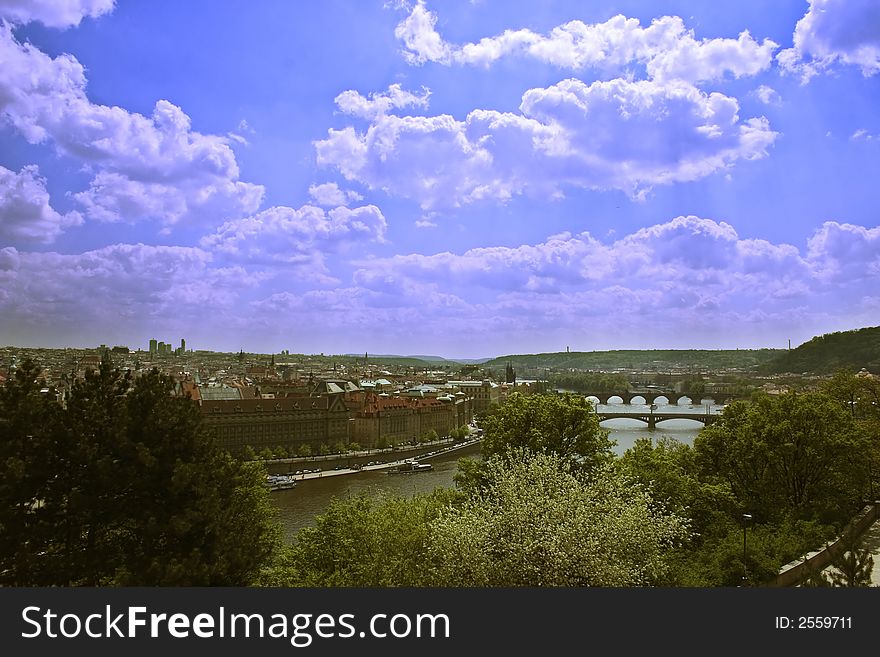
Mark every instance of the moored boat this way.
pixel 411 466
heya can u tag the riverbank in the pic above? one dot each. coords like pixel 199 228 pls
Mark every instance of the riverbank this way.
pixel 421 452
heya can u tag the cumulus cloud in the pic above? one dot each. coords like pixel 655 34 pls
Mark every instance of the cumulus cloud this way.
pixel 607 135
pixel 53 13
pixel 118 288
pixel 666 48
pixel 768 95
pixel 330 195
pixel 137 156
pixel 353 103
pixel 832 32
pixel 687 271
pixel 25 212
pixel 684 253
pixel 845 253
pixel 578 289
pixel 296 237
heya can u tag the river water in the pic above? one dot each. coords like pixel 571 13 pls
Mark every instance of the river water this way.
pixel 298 506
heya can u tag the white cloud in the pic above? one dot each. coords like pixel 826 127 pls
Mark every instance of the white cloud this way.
pixel 25 212
pixel 835 31
pixel 137 156
pixel 845 253
pixel 666 48
pixel 688 271
pixel 352 103
pixel 113 197
pixel 119 288
pixel 426 222
pixel 768 95
pixel 861 135
pixel 53 13
pixel 423 43
pixel 606 135
pixel 296 237
pixel 330 195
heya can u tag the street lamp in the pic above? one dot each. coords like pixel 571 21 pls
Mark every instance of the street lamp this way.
pixel 746 518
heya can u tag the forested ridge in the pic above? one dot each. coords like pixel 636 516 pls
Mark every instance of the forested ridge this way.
pixel 825 354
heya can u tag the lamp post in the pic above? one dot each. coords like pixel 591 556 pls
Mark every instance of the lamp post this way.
pixel 746 518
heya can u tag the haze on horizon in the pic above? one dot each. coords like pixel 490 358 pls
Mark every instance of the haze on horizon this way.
pixel 468 178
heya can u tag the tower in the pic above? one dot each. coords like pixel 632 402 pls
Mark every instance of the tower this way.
pixel 154 347
pixel 510 374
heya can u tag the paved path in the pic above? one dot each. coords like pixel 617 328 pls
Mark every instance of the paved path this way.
pixel 871 540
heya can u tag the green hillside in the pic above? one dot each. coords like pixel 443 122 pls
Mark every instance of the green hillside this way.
pixel 647 359
pixel 830 352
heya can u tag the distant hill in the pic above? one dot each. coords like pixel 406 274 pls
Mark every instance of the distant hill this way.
pixel 830 352
pixel 423 361
pixel 647 359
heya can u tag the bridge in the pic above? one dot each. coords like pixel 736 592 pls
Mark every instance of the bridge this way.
pixel 651 419
pixel 650 395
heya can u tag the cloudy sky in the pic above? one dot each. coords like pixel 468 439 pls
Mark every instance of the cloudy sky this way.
pixel 465 178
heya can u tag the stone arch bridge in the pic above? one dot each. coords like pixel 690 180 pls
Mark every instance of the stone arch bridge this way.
pixel 651 395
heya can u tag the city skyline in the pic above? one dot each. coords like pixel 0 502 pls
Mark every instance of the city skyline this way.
pixel 465 179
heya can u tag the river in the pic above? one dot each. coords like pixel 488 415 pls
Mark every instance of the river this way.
pixel 299 506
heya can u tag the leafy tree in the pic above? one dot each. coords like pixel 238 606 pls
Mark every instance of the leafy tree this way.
pixel 541 522
pixel 305 450
pixel 669 471
pixel 787 454
pixel 126 488
pixel 860 397
pixel 564 425
pixel 364 541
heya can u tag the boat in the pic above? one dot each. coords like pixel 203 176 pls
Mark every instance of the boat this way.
pixel 280 482
pixel 410 466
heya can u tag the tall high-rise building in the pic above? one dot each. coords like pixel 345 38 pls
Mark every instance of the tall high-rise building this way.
pixel 161 348
pixel 154 347
pixel 182 346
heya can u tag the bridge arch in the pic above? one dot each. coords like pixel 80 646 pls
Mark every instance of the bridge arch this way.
pixel 614 399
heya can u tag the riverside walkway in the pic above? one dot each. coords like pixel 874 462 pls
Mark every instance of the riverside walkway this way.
pixel 443 451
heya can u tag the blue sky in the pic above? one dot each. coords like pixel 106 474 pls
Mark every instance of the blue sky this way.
pixel 462 178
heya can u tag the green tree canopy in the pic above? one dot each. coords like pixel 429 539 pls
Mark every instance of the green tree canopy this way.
pixel 541 522
pixel 563 425
pixel 365 541
pixel 796 453
pixel 123 487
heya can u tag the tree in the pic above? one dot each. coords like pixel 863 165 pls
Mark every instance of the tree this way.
pixel 795 453
pixel 365 541
pixel 127 489
pixel 853 565
pixel 541 522
pixel 859 395
pixel 563 425
pixel 29 458
pixel 669 471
